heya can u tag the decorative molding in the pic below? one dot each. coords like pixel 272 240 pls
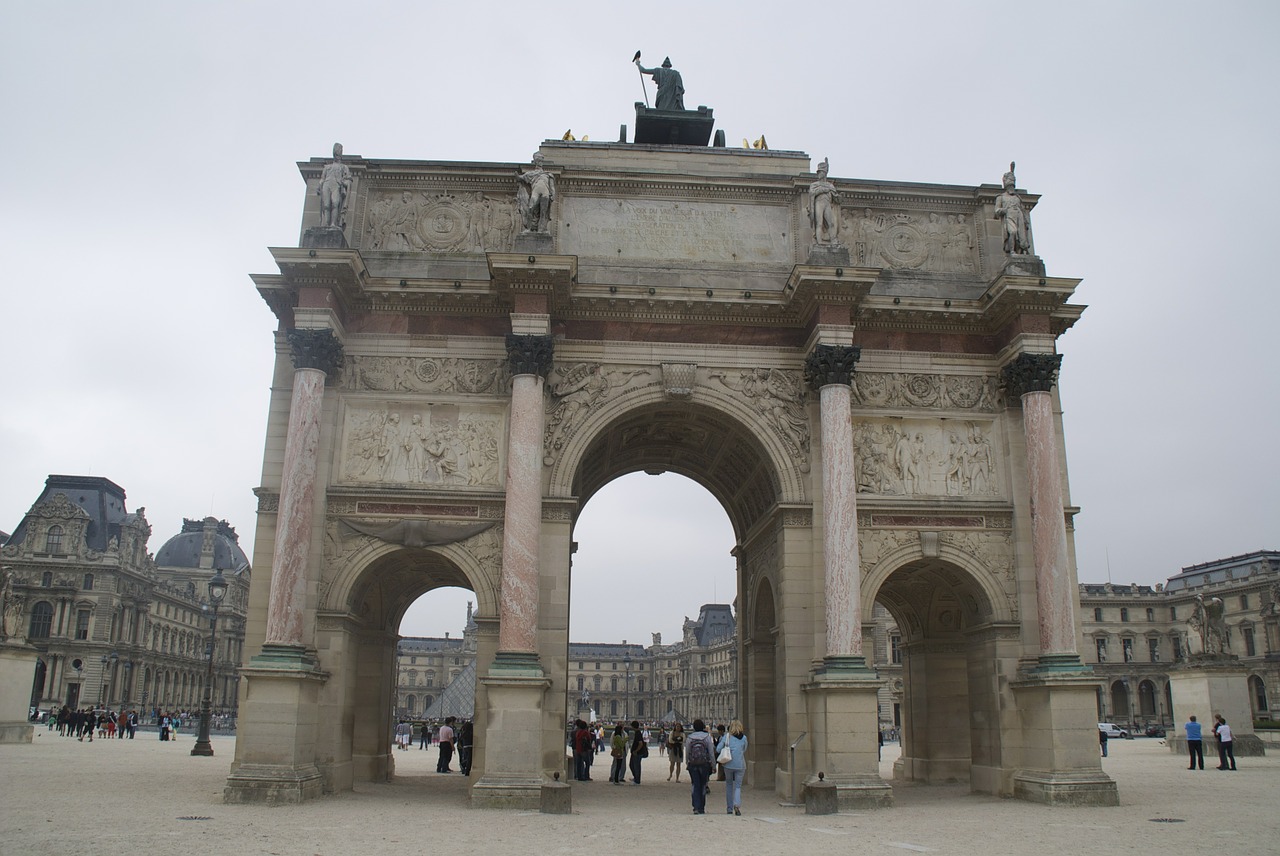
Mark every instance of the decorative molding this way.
pixel 919 390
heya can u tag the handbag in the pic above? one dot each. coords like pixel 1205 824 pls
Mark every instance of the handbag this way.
pixel 725 755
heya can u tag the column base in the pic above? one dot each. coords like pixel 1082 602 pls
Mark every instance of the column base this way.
pixel 16 732
pixel 1058 664
pixel 286 657
pixel 1066 787
pixel 516 663
pixel 514 772
pixel 845 720
pixel 273 784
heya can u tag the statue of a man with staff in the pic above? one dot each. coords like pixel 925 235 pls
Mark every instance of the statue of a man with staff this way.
pixel 670 87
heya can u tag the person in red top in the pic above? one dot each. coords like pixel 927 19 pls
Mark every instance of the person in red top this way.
pixel 446 745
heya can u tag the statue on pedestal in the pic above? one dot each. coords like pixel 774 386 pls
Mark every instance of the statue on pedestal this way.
pixel 1208 618
pixel 1017 225
pixel 536 192
pixel 11 604
pixel 824 209
pixel 335 183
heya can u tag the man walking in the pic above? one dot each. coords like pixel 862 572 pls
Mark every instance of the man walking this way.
pixel 1195 743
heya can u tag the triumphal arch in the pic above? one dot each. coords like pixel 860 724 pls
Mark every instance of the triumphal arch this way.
pixel 862 372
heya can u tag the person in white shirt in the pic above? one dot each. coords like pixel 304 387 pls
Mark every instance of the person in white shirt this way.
pixel 1226 751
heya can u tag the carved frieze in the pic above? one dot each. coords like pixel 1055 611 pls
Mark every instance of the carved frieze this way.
pixel 416 444
pixel 933 391
pixel 779 397
pixel 941 243
pixel 922 457
pixel 435 374
pixel 577 390
pixel 462 222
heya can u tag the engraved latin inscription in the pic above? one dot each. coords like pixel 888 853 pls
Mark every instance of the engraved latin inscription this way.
pixel 657 230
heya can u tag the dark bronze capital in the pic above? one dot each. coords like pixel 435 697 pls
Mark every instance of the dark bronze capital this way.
pixel 315 349
pixel 829 364
pixel 529 354
pixel 1031 373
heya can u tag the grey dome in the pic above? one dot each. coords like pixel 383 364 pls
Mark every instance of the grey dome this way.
pixel 185 549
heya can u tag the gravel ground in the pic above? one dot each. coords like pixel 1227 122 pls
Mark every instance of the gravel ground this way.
pixel 60 796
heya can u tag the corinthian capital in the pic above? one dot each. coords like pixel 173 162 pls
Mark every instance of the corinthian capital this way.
pixel 529 354
pixel 315 349
pixel 829 364
pixel 1031 373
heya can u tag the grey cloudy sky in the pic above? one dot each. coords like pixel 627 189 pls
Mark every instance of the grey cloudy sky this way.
pixel 150 152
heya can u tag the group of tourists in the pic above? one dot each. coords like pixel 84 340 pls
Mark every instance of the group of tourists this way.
pixel 448 735
pixel 85 723
pixel 703 753
pixel 1195 743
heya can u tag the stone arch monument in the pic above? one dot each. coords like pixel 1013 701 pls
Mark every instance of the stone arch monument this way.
pixel 875 411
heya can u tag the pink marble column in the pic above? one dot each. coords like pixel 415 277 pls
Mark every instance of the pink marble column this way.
pixel 829 369
pixel 1031 376
pixel 315 354
pixel 530 359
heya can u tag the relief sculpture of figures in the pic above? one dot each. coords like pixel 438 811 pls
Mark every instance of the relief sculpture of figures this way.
pixel 578 390
pixel 421 449
pixel 927 460
pixel 335 183
pixel 1208 618
pixel 670 87
pixel 1017 225
pixel 536 192
pixel 824 209
pixel 780 398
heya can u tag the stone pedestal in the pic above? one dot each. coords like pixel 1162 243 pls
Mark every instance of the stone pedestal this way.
pixel 538 243
pixel 1057 762
pixel 276 744
pixel 513 774
pixel 557 798
pixel 1213 684
pixel 673 127
pixel 1022 265
pixel 844 715
pixel 17 671
pixel 324 237
pixel 828 255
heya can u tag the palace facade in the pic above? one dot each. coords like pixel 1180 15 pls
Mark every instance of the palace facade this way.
pixel 115 626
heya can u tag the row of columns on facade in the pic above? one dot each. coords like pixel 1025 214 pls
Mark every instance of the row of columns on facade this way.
pixel 829 370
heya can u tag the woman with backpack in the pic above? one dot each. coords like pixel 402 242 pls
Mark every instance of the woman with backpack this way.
pixel 735 741
pixel 618 749
pixel 698 752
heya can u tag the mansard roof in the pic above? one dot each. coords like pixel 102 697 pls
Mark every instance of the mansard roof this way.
pixel 101 499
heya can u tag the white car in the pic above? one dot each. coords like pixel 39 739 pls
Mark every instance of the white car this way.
pixel 1112 730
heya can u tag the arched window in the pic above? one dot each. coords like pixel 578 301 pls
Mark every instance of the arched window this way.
pixel 41 620
pixel 1259 693
pixel 1147 699
pixel 411 703
pixel 53 540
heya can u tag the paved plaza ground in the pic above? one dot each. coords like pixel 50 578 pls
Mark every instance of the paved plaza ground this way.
pixel 60 796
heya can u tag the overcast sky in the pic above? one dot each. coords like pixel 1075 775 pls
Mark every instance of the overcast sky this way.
pixel 150 155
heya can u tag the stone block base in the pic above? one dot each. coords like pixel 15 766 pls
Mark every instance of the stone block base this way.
pixel 324 237
pixel 872 792
pixel 273 785
pixel 1243 746
pixel 490 792
pixel 1086 788
pixel 16 732
pixel 557 798
pixel 826 255
pixel 534 242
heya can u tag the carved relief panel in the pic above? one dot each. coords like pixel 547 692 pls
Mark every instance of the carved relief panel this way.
pixel 908 389
pixel 925 457
pixel 412 374
pixel 442 445
pixel 941 243
pixel 448 222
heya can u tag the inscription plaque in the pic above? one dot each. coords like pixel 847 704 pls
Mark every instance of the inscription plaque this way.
pixel 659 230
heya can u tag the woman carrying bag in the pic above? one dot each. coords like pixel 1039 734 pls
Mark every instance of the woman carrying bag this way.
pixel 733 760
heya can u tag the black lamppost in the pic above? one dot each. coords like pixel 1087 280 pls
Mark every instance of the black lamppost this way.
pixel 108 660
pixel 626 689
pixel 217 591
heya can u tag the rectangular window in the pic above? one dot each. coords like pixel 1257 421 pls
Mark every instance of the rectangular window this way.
pixel 1151 614
pixel 581 683
pixel 1244 601
pixel 1177 648
pixel 1097 613
pixel 895 649
pixel 1153 649
pixel 597 667
pixel 1173 613
pixel 1249 649
pixel 88 582
pixel 1124 613
pixel 82 624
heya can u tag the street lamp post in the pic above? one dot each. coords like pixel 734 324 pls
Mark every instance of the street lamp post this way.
pixel 626 689
pixel 108 660
pixel 217 591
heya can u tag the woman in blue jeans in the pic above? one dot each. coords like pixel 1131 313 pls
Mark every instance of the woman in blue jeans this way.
pixel 735 739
